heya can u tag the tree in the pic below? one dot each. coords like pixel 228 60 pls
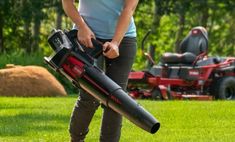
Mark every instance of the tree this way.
pixel 4 13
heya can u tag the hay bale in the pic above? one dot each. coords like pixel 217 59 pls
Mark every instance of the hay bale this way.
pixel 29 81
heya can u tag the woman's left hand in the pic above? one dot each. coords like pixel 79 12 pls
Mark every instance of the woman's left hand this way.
pixel 110 50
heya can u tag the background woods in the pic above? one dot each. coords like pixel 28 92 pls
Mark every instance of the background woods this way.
pixel 171 20
pixel 26 24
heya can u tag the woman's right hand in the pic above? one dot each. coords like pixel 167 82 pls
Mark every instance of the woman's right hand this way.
pixel 85 35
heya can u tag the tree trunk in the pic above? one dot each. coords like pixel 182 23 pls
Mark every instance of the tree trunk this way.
pixel 36 35
pixel 27 38
pixel 155 25
pixel 180 31
pixel 205 15
pixel 58 19
pixel 231 40
pixel 156 18
pixel 1 36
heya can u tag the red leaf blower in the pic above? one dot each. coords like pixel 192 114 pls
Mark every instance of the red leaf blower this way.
pixel 76 63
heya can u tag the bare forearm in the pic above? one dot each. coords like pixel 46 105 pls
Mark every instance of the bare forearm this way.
pixel 124 20
pixel 71 11
pixel 84 33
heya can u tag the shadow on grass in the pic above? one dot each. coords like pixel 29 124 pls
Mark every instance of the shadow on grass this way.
pixel 4 106
pixel 32 122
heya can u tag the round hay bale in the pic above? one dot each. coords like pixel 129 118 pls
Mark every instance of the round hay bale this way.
pixel 29 81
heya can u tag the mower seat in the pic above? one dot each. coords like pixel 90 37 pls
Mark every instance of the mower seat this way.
pixel 193 45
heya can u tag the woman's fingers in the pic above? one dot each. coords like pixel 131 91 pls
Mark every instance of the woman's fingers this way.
pixel 110 50
pixel 84 37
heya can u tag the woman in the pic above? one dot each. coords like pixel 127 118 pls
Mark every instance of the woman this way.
pixel 111 22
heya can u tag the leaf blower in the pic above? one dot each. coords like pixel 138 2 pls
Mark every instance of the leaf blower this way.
pixel 77 63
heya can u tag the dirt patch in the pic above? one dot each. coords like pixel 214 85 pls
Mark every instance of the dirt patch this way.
pixel 29 81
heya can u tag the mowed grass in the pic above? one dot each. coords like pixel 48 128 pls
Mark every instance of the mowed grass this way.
pixel 47 120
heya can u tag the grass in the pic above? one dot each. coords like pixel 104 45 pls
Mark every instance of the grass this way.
pixel 47 120
pixel 21 59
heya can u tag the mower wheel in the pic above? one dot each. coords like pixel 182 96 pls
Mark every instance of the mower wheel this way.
pixel 156 94
pixel 224 88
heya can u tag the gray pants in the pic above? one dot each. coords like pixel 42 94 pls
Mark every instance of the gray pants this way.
pixel 117 69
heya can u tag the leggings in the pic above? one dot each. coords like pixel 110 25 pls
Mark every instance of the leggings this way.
pixel 117 69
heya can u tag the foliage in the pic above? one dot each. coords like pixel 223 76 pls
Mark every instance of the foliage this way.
pixel 47 120
pixel 171 21
pixel 25 25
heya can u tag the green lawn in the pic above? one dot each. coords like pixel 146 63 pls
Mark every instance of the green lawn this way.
pixel 47 119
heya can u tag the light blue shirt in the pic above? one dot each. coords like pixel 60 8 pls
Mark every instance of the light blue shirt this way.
pixel 102 16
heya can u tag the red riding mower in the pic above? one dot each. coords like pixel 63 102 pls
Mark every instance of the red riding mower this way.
pixel 189 74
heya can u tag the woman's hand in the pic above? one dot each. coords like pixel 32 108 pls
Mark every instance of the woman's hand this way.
pixel 85 35
pixel 111 50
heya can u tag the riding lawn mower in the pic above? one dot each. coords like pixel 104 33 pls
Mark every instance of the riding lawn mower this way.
pixel 188 74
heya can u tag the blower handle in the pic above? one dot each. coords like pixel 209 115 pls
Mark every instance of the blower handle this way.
pixel 94 52
pixel 97 50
